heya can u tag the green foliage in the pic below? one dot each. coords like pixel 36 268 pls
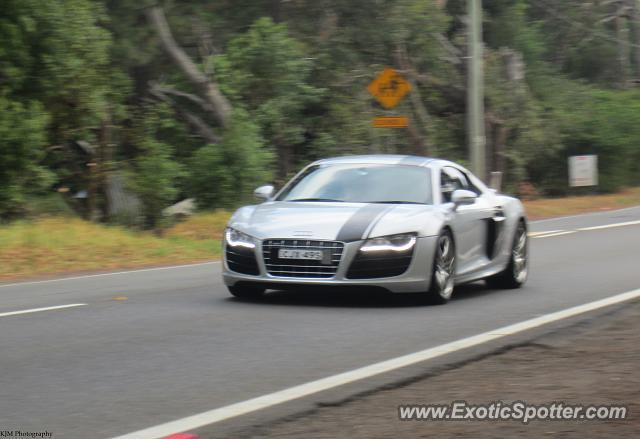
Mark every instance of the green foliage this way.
pixel 56 52
pixel 613 138
pixel 225 174
pixel 47 205
pixel 579 38
pixel 155 175
pixel 155 178
pixel 511 27
pixel 22 142
pixel 266 72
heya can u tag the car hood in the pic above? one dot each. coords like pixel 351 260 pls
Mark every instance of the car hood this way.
pixel 334 221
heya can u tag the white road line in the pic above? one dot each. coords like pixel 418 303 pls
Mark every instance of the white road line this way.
pixel 262 402
pixel 550 233
pixel 555 234
pixel 606 226
pixel 533 234
pixel 49 308
pixel 86 276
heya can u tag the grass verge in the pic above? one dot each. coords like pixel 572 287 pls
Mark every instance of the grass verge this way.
pixel 59 244
pixel 56 245
pixel 554 207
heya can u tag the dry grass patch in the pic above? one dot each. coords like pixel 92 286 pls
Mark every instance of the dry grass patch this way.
pixel 56 245
pixel 554 207
pixel 205 225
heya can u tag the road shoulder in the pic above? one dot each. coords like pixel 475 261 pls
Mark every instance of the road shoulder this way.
pixel 604 350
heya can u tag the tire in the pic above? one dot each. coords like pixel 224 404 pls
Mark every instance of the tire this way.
pixel 443 270
pixel 246 292
pixel 517 271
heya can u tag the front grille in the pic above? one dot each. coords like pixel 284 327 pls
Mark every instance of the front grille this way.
pixel 302 267
pixel 383 264
pixel 242 260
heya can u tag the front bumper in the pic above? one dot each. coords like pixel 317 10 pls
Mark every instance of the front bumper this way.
pixel 415 279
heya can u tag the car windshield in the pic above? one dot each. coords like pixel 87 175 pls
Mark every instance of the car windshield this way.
pixel 361 183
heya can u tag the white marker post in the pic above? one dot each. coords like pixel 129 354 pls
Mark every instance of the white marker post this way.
pixel 583 170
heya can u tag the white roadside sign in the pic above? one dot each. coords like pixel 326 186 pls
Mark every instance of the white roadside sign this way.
pixel 583 170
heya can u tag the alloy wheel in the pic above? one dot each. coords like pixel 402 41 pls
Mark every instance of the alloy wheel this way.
pixel 520 262
pixel 445 266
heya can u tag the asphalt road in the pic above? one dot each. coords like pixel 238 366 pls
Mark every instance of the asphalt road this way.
pixel 151 346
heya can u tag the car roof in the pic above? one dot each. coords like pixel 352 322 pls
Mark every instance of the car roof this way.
pixel 387 159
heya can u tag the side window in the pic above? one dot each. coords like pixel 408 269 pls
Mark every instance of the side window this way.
pixel 451 180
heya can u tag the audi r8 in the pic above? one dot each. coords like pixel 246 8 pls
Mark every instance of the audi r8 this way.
pixel 404 224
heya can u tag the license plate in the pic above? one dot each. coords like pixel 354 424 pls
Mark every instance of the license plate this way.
pixel 290 253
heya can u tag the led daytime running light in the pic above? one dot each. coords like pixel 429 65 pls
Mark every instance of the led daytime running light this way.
pixel 238 242
pixel 389 247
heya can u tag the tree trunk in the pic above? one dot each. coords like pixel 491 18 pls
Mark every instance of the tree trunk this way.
pixel 285 160
pixel 276 11
pixel 416 139
pixel 420 141
pixel 198 125
pixel 497 135
pixel 93 172
pixel 490 136
pixel 502 133
pixel 207 88
pixel 105 165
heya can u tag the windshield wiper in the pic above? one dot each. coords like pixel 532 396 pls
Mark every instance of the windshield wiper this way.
pixel 330 200
pixel 395 202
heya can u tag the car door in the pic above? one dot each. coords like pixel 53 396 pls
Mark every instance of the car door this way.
pixel 469 222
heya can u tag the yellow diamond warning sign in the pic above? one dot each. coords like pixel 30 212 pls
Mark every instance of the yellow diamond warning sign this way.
pixel 389 88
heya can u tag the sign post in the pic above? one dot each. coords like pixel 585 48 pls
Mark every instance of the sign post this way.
pixel 583 170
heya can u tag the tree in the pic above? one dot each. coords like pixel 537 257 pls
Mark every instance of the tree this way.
pixel 154 179
pixel 214 101
pixel 57 53
pixel 268 72
pixel 22 147
pixel 224 174
pixel 154 174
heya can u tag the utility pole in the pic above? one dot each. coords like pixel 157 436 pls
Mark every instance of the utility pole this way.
pixel 635 22
pixel 475 90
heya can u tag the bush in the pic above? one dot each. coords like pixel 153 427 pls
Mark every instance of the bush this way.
pixel 155 180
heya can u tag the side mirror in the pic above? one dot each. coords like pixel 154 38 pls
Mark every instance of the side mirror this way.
pixel 264 192
pixel 463 197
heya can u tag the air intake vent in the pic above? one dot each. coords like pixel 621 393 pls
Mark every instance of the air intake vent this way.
pixel 242 260
pixel 379 264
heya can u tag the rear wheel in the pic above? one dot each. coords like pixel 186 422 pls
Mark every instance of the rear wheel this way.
pixel 516 273
pixel 246 292
pixel 443 270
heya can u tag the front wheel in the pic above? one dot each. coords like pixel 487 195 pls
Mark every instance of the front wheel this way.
pixel 516 273
pixel 443 270
pixel 246 292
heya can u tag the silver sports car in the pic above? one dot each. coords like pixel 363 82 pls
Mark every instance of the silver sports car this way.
pixel 400 223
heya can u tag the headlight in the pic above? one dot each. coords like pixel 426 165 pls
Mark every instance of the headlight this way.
pixel 396 243
pixel 235 238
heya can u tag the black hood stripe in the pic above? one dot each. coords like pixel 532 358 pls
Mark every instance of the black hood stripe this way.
pixel 359 223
